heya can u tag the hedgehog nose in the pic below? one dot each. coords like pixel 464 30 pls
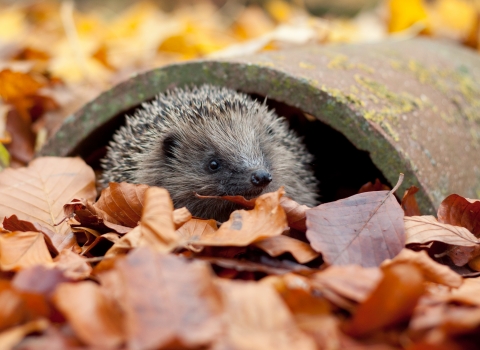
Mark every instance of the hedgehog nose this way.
pixel 261 178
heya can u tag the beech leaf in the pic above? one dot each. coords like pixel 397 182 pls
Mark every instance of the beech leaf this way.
pixel 166 298
pixel 23 249
pixel 38 192
pixel 459 211
pixel 258 319
pixel 422 229
pixel 267 219
pixel 296 214
pixel 364 229
pixel 409 203
pixel 95 319
pixel 278 245
pixel 122 203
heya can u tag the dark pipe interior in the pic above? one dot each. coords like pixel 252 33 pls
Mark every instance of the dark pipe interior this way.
pixel 340 167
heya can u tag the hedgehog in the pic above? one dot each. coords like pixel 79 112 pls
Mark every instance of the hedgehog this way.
pixel 211 141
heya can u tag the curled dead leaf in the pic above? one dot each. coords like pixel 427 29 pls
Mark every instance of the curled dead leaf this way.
pixel 278 245
pixel 422 229
pixel 459 211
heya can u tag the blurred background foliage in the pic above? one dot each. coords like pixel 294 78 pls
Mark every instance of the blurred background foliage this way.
pixel 57 55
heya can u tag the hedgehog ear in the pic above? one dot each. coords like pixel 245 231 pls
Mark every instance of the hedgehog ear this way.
pixel 169 144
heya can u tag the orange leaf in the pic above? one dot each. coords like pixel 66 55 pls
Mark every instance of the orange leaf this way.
pixel 267 219
pixel 37 193
pixel 122 203
pixel 296 214
pixel 409 203
pixel 16 84
pixel 392 301
pixel 94 317
pixel 22 249
pixel 258 319
pixel 167 299
pixel 278 245
pixel 460 211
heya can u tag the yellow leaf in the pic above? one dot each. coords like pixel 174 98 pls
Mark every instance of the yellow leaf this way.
pixel 452 18
pixel 405 13
pixel 280 10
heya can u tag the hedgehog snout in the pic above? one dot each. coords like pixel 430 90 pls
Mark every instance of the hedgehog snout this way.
pixel 261 178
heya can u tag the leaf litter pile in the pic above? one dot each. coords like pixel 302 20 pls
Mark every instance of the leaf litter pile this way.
pixel 130 271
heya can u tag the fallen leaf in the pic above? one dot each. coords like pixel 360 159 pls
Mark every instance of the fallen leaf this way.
pixel 241 200
pixel 296 214
pixel 431 270
pixel 13 224
pixel 422 229
pixel 86 216
pixel 364 229
pixel 22 145
pixel 392 301
pixel 258 319
pixel 267 219
pixel 72 265
pixel 376 186
pixel 12 306
pixel 196 229
pixel 459 211
pixel 156 225
pixel 409 203
pixel 39 279
pixel 180 217
pixel 17 84
pixel 13 336
pixel 405 13
pixel 94 317
pixel 277 245
pixel 122 203
pixel 167 300
pixel 346 286
pixel 19 250
pixel 37 193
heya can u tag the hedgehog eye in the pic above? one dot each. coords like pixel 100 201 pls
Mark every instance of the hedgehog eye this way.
pixel 270 131
pixel 169 143
pixel 213 165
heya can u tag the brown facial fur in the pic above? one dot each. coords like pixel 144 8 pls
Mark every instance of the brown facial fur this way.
pixel 172 141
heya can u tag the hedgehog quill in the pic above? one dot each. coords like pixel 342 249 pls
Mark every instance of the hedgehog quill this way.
pixel 212 141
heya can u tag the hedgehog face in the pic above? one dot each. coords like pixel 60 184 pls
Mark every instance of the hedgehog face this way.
pixel 211 141
pixel 219 164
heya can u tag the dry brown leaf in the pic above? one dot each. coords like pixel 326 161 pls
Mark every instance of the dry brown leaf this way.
pixel 376 186
pixel 39 279
pixel 180 217
pixel 267 219
pixel 459 211
pixel 13 336
pixel 86 217
pixel 258 319
pixel 392 301
pixel 19 250
pixel 167 300
pixel 241 200
pixel 126 243
pixel 364 229
pixel 346 286
pixel 156 225
pixel 431 270
pixel 94 317
pixel 12 306
pixel 13 224
pixel 197 229
pixel 422 229
pixel 72 265
pixel 296 214
pixel 122 203
pixel 278 245
pixel 38 192
pixel 467 294
pixel 409 203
